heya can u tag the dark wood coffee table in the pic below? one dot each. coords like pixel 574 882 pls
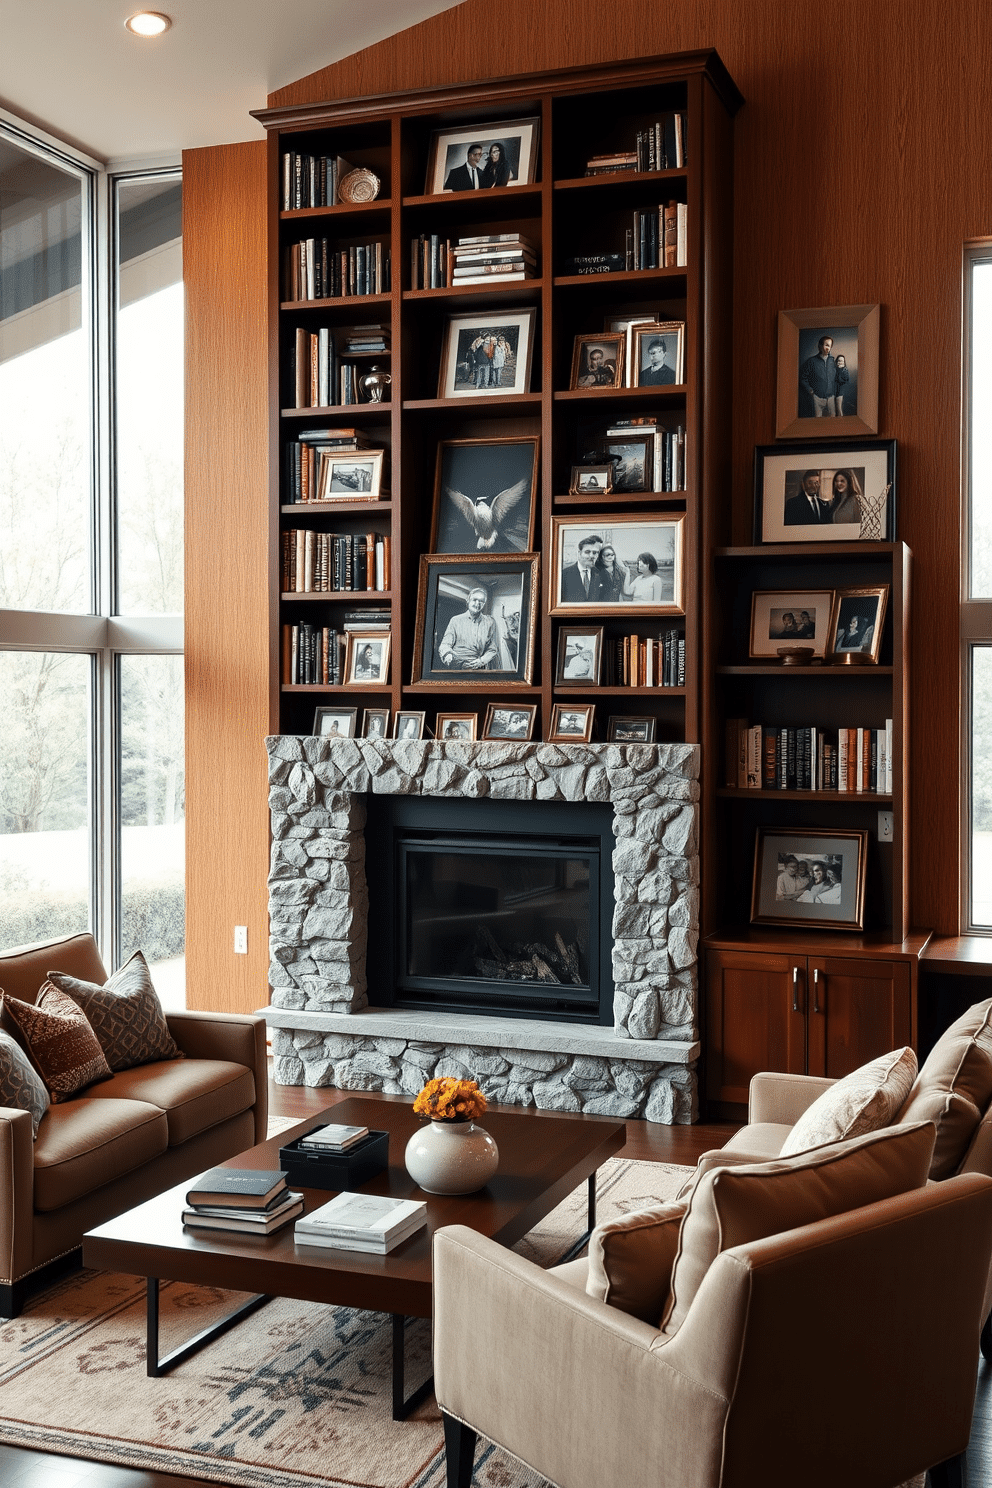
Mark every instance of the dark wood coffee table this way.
pixel 542 1159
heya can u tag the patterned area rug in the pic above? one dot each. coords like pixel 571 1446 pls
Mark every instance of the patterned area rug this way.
pixel 297 1396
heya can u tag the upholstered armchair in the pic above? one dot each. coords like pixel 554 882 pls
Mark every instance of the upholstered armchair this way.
pixel 840 1351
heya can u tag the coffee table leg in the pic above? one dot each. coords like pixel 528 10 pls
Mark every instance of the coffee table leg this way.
pixel 403 1408
pixel 592 1201
pixel 154 1365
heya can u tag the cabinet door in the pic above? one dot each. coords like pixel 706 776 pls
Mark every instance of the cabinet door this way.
pixel 858 1009
pixel 756 1019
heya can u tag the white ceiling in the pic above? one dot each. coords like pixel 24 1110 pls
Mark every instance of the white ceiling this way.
pixel 71 67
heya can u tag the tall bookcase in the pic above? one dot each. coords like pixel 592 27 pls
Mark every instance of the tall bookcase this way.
pixel 582 112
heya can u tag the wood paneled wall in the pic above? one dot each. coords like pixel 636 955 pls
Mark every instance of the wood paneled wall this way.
pixel 863 160
pixel 227 646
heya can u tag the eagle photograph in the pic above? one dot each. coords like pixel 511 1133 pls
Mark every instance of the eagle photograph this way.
pixel 484 496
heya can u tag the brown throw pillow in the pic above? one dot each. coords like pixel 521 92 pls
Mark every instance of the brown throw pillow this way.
pixel 60 1042
pixel 20 1086
pixel 126 1014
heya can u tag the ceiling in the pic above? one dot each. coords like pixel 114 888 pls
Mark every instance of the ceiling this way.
pixel 70 66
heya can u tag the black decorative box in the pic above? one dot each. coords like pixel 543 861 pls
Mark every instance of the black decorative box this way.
pixel 342 1171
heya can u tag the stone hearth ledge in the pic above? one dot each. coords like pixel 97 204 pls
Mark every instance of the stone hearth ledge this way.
pixel 324 1033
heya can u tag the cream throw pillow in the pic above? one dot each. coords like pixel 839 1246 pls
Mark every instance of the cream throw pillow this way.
pixel 954 1087
pixel 731 1206
pixel 863 1101
pixel 631 1258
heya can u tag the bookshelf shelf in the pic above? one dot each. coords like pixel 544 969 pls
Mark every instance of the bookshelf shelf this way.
pixel 349 508
pixel 381 206
pixel 524 290
pixel 632 278
pixel 299 307
pixel 616 179
pixel 334 596
pixel 363 413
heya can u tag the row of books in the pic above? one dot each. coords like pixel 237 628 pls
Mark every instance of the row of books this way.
pixel 660 146
pixel 315 270
pixel 658 238
pixel 311 180
pixel 846 760
pixel 311 459
pixel 438 263
pixel 334 563
pixel 650 661
pixel 321 378
pixel 314 655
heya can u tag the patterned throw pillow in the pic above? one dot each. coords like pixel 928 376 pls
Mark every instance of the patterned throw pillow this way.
pixel 60 1042
pixel 125 1015
pixel 20 1087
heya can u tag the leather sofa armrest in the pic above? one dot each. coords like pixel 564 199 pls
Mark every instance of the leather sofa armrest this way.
pixel 16 1193
pixel 234 1036
pixel 782 1099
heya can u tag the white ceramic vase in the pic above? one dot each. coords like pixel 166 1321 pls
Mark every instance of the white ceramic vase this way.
pixel 451 1157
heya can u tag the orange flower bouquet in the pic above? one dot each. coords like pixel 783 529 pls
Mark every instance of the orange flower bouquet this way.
pixel 450 1100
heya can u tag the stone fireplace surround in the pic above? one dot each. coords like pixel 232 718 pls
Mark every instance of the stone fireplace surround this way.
pixel 325 1034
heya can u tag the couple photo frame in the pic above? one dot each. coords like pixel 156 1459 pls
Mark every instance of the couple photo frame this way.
pixel 827 372
pixel 836 626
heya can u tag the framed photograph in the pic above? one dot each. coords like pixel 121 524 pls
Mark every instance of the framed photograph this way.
pixel 571 723
pixel 658 357
pixel 475 620
pixel 631 730
pixel 484 495
pixel 351 477
pixel 456 726
pixel 516 722
pixel 580 655
pixel 591 480
pixel 809 878
pixel 626 324
pixel 482 157
pixel 856 623
pixel 367 657
pixel 827 372
pixel 335 723
pixel 785 618
pixel 598 360
pixel 375 723
pixel 825 492
pixel 631 458
pixel 409 725
pixel 629 565
pixel 487 352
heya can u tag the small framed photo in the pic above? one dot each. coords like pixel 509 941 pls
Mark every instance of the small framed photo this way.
pixel 631 730
pixel 591 480
pixel 375 723
pixel 571 723
pixel 631 458
pixel 367 657
pixel 335 723
pixel 484 495
pixel 827 372
pixel 351 477
pixel 784 619
pixel 856 621
pixel 626 324
pixel 580 655
pixel 516 722
pixel 658 357
pixel 409 725
pixel 598 360
pixel 825 492
pixel 484 157
pixel 809 878
pixel 475 620
pixel 629 565
pixel 487 353
pixel 456 726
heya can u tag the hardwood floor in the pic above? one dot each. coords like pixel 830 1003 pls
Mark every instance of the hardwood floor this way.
pixel 645 1142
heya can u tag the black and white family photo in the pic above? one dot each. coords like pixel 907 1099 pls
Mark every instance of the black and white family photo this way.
pixel 484 157
pixel 617 563
pixel 809 878
pixel 509 723
pixel 487 356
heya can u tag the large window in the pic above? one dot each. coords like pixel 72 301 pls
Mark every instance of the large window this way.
pixel 976 604
pixel 91 675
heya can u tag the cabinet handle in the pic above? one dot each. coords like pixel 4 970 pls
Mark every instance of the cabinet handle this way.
pixel 816 981
pixel 795 989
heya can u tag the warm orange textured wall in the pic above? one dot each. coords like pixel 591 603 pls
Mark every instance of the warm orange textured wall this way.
pixel 863 160
pixel 227 682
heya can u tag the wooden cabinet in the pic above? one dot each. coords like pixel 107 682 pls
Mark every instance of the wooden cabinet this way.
pixel 819 1011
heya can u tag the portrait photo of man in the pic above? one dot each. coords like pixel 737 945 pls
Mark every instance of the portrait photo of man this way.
pixel 469 642
pixel 582 582
pixel 468 175
pixel 654 370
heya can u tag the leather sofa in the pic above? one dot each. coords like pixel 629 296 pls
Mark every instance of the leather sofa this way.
pixel 125 1139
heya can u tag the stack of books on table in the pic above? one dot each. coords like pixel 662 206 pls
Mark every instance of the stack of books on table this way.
pixel 253 1201
pixel 334 1138
pixel 358 1221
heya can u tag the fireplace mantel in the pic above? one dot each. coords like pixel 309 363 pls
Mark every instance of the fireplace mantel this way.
pixel 323 1030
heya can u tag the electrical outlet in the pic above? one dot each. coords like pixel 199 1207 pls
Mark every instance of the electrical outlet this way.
pixel 885 826
pixel 241 940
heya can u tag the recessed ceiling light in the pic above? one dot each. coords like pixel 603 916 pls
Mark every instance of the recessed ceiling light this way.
pixel 148 23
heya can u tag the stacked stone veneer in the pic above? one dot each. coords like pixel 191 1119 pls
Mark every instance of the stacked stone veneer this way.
pixel 318 906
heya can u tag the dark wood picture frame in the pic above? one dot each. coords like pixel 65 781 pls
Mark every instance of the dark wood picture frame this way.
pixel 567 672
pixel 445 586
pixel 493 508
pixel 633 729
pixel 856 328
pixel 560 715
pixel 378 716
pixel 501 721
pixel 835 899
pixel 586 376
pixel 444 722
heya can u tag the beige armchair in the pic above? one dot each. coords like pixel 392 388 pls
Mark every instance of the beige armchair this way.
pixel 804 1358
